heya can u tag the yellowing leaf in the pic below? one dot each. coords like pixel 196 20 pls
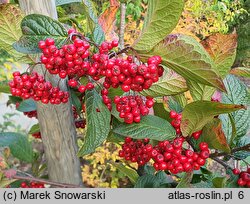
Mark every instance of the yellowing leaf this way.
pixel 107 20
pixel 197 114
pixel 10 30
pixel 222 49
pixel 187 57
pixel 213 134
pixel 170 83
pixel 241 71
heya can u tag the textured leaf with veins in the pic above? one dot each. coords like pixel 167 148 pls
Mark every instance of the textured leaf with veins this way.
pixel 222 49
pixel 170 83
pixel 10 30
pixel 161 18
pixel 187 57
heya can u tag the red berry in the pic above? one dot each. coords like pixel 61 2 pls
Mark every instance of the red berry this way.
pixel 89 86
pixel 150 103
pixel 81 88
pixel 173 114
pixel 236 171
pixel 241 182
pixel 203 146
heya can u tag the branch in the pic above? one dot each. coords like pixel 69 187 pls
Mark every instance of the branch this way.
pixel 246 148
pixel 122 25
pixel 63 185
pixel 222 163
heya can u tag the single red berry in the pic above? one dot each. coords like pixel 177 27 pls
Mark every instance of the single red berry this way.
pixel 72 83
pixel 173 114
pixel 204 154
pixel 150 103
pixel 203 146
pixel 81 88
pixel 241 182
pixel 89 86
pixel 236 171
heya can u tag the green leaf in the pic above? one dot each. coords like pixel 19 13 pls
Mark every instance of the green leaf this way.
pixel 115 113
pixel 219 182
pixel 5 182
pixel 148 169
pixel 151 127
pixel 4 88
pixel 170 83
pixel 19 145
pixel 161 18
pixel 187 57
pixel 213 134
pixel 173 104
pixel 130 173
pixel 185 181
pixel 36 27
pixel 14 100
pixel 115 92
pixel 241 71
pixel 98 123
pixel 197 114
pixel 96 29
pixel 27 105
pixel 160 111
pixel 148 181
pixel 164 178
pixel 222 49
pixel 10 31
pixel 181 99
pixel 75 101
pixel 34 129
pixel 232 181
pixel 237 93
pixel 113 137
pixel 240 143
pixel 200 91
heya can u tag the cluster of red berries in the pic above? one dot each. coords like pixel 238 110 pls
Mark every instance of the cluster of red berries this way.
pixel 81 88
pixel 166 155
pixel 129 75
pixel 106 100
pixel 79 123
pixel 176 123
pixel 66 61
pixel 37 135
pixel 244 177
pixel 173 157
pixel 132 107
pixel 29 114
pixel 34 86
pixel 74 60
pixel 32 185
pixel 136 151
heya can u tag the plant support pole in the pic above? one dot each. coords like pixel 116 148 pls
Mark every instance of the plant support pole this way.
pixel 56 121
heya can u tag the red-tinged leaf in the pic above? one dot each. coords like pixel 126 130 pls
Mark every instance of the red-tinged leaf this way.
pixel 187 57
pixel 107 21
pixel 197 114
pixel 222 49
pixel 213 134
pixel 114 3
pixel 241 71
